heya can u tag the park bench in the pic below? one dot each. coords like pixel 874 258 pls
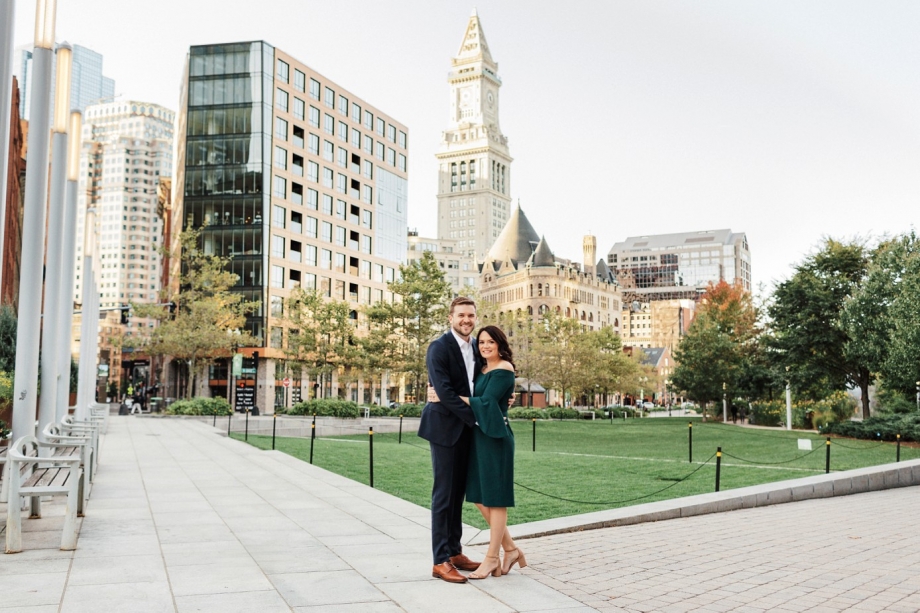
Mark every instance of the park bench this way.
pixel 55 433
pixel 32 473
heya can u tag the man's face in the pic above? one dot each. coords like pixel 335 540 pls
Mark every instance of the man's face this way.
pixel 463 320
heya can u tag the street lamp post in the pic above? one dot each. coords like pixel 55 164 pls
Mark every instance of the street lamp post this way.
pixel 667 394
pixel 28 327
pixel 724 404
pixel 788 402
pixel 918 395
pixel 54 274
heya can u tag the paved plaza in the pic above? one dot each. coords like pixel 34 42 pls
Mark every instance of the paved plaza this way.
pixel 182 518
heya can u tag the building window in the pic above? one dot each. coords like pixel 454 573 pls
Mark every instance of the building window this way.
pixel 279 187
pixel 310 255
pixel 367 194
pixel 391 157
pixel 367 219
pixel 277 246
pixel 325 261
pixel 368 120
pixel 277 308
pixel 300 108
pixel 300 80
pixel 402 165
pixel 340 236
pixel 355 112
pixel 391 133
pixel 327 232
pixel 310 229
pixel 343 131
pixel 277 276
pixel 329 124
pixel 313 144
pixel 327 177
pixel 280 158
pixel 341 184
pixel 340 207
pixel 328 151
pixel 343 105
pixel 314 89
pixel 366 244
pixel 402 139
pixel 281 100
pixel 276 337
pixel 296 222
pixel 278 216
pixel 314 117
pixel 312 198
pixel 329 98
pixel 313 171
pixel 379 151
pixel 355 138
pixel 380 126
pixel 327 204
pixel 281 128
pixel 368 145
pixel 368 169
pixel 283 71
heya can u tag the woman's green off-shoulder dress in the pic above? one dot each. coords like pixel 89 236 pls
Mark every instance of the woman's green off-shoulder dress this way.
pixel 490 480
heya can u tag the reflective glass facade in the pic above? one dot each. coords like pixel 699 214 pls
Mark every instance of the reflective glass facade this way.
pixel 227 158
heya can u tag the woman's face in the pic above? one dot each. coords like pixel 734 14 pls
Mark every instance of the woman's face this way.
pixel 488 348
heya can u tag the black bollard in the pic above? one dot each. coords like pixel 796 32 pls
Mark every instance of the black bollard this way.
pixel 229 419
pixel 400 429
pixel 247 425
pixel 274 423
pixel 534 433
pixel 370 438
pixel 898 457
pixel 312 437
pixel 827 456
pixel 690 440
pixel 215 420
pixel 718 466
pixel 611 417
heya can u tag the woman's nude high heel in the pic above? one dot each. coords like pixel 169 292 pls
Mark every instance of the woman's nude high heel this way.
pixel 519 559
pixel 496 571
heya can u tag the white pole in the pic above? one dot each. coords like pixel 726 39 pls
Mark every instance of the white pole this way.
pixel 47 408
pixel 68 263
pixel 28 327
pixel 86 380
pixel 788 406
pixel 7 19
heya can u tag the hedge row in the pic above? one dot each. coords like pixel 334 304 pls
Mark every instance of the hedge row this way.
pixel 336 407
pixel 806 414
pixel 199 406
pixel 882 428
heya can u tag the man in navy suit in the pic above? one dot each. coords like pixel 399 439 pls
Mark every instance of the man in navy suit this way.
pixel 453 361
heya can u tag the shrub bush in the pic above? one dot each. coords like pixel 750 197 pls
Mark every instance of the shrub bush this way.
pixel 327 407
pixel 526 413
pixel 881 428
pixel 561 413
pixel 407 410
pixel 6 385
pixel 199 406
pixel 4 430
pixel 374 410
pixel 768 413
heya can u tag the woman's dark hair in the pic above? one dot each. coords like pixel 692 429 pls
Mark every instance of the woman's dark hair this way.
pixel 504 349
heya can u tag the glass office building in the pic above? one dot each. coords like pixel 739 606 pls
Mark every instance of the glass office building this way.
pixel 87 86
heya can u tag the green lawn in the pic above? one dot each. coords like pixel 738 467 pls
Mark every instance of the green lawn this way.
pixel 598 465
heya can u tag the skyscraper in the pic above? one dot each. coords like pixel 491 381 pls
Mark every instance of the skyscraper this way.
pixel 87 86
pixel 300 181
pixel 474 164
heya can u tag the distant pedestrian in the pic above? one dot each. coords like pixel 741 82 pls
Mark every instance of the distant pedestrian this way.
pixel 734 414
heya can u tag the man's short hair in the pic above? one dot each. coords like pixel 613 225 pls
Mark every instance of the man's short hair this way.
pixel 459 301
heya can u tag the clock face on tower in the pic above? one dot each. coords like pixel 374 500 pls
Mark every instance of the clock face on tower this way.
pixel 491 99
pixel 465 97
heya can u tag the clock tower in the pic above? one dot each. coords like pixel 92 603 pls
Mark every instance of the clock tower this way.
pixel 474 164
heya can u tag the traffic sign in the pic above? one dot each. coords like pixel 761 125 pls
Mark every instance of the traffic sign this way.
pixel 286 382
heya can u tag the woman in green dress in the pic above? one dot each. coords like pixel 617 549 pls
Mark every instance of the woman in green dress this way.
pixel 490 479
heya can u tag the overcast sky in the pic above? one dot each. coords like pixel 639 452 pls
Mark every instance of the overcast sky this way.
pixel 787 120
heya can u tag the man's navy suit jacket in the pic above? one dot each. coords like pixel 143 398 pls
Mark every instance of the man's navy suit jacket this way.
pixel 443 422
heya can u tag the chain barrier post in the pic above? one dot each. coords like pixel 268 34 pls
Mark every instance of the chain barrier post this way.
pixel 400 429
pixel 827 456
pixel 274 423
pixel 718 466
pixel 229 419
pixel 312 437
pixel 899 449
pixel 370 437
pixel 611 416
pixel 214 424
pixel 534 420
pixel 246 437
pixel 690 439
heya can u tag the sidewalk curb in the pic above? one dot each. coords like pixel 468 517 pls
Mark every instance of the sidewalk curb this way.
pixel 843 483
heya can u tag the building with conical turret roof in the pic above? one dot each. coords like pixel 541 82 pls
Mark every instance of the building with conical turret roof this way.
pixel 521 274
pixel 474 163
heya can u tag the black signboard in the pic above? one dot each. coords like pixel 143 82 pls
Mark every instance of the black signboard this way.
pixel 295 393
pixel 245 397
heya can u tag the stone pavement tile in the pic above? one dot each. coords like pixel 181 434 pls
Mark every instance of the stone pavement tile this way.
pixel 238 602
pixel 258 510
pixel 102 545
pixel 360 607
pixel 15 564
pixel 255 537
pixel 425 595
pixel 280 559
pixel 194 506
pixel 25 590
pixel 523 593
pixel 46 608
pixel 134 597
pixel 122 528
pixel 195 534
pixel 361 539
pixel 325 587
pixel 217 578
pixel 189 554
pixel 185 518
pixel 108 570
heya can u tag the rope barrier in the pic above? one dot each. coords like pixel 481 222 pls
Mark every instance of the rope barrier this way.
pixel 834 442
pixel 618 501
pixel 805 455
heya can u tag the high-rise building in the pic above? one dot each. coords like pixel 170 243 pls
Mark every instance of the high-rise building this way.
pixel 459 270
pixel 679 266
pixel 474 164
pixel 300 181
pixel 87 86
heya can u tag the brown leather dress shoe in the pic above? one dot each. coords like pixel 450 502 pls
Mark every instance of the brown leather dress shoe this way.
pixel 464 563
pixel 447 572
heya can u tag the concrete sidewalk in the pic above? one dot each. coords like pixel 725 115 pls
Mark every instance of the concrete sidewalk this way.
pixel 184 519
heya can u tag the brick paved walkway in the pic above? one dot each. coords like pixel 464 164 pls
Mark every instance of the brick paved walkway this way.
pixel 851 553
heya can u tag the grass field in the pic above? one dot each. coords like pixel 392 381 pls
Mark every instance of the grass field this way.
pixel 585 466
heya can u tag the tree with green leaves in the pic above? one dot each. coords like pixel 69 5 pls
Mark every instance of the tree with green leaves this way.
pixel 207 317
pixel 402 329
pixel 566 355
pixel 321 335
pixel 721 338
pixel 809 332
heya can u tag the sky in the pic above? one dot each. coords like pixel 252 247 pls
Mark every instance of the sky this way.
pixel 791 121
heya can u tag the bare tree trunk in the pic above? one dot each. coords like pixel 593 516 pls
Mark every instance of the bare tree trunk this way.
pixel 864 392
